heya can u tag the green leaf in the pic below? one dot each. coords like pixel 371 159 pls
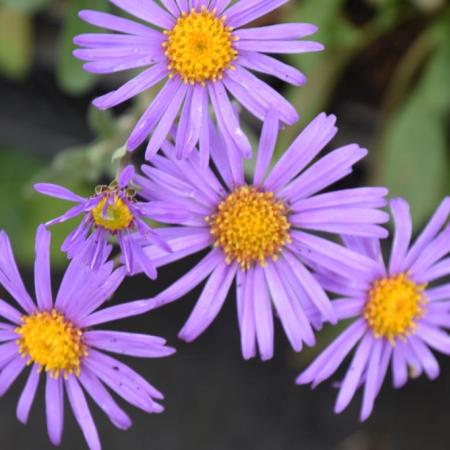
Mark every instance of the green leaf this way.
pixel 71 76
pixel 26 5
pixel 15 42
pixel 413 162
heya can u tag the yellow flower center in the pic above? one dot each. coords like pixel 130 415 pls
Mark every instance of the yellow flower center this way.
pixel 52 342
pixel 250 226
pixel 199 46
pixel 117 217
pixel 393 306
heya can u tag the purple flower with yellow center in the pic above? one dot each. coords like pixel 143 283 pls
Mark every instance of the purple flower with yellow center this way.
pixel 258 232
pixel 199 46
pixel 112 211
pixel 397 316
pixel 57 337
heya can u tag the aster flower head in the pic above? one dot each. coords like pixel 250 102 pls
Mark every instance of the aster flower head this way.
pixel 258 232
pixel 201 49
pixel 113 211
pixel 397 315
pixel 55 339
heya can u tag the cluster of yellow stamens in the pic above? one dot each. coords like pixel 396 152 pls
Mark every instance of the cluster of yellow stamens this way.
pixel 116 217
pixel 393 306
pixel 200 46
pixel 250 226
pixel 52 342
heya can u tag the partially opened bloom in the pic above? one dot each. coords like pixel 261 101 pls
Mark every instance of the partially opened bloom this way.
pixel 200 48
pixel 258 232
pixel 55 336
pixel 112 211
pixel 397 316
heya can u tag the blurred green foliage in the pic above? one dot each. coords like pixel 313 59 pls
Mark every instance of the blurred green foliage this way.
pixel 411 156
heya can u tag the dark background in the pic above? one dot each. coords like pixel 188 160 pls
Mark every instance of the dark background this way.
pixel 385 74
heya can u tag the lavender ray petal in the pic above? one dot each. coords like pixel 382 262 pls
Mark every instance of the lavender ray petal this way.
pixel 82 412
pixel 115 23
pixel 399 368
pixel 209 303
pixel 278 46
pixel 430 231
pixel 267 144
pixel 132 344
pixel 10 372
pixel 135 86
pixel 263 316
pixel 354 373
pixel 54 405
pixel 103 399
pixel 266 64
pixel 402 236
pixel 53 190
pixel 342 345
pixel 28 394
pixel 425 357
pixel 42 275
pixel 370 388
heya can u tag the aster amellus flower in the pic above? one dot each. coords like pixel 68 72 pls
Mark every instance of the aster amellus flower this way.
pixel 199 46
pixel 398 316
pixel 55 339
pixel 112 211
pixel 257 232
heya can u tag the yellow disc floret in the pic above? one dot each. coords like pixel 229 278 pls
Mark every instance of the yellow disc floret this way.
pixel 393 306
pixel 52 342
pixel 116 217
pixel 250 226
pixel 200 46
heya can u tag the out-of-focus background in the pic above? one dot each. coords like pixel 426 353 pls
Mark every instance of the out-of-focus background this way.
pixel 385 74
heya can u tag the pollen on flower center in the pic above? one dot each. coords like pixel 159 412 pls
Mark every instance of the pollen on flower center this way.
pixel 117 216
pixel 393 306
pixel 250 226
pixel 200 46
pixel 49 340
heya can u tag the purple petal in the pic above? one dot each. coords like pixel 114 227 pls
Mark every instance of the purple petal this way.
pixel 354 373
pixel 209 303
pixel 112 313
pixel 429 232
pixel 267 144
pixel 263 316
pixel 315 136
pixel 42 276
pixel 149 12
pixel 165 124
pixel 329 360
pixel 82 413
pixel 402 236
pixel 10 372
pixel 285 31
pixel 53 190
pixel 190 280
pixel 135 86
pixel 126 175
pixel 133 344
pixel 271 66
pixel 115 23
pixel 246 11
pixel 103 399
pixel 28 394
pixel 54 405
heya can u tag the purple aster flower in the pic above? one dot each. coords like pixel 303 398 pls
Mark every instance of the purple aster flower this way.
pixel 199 46
pixel 397 316
pixel 112 211
pixel 56 336
pixel 259 232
